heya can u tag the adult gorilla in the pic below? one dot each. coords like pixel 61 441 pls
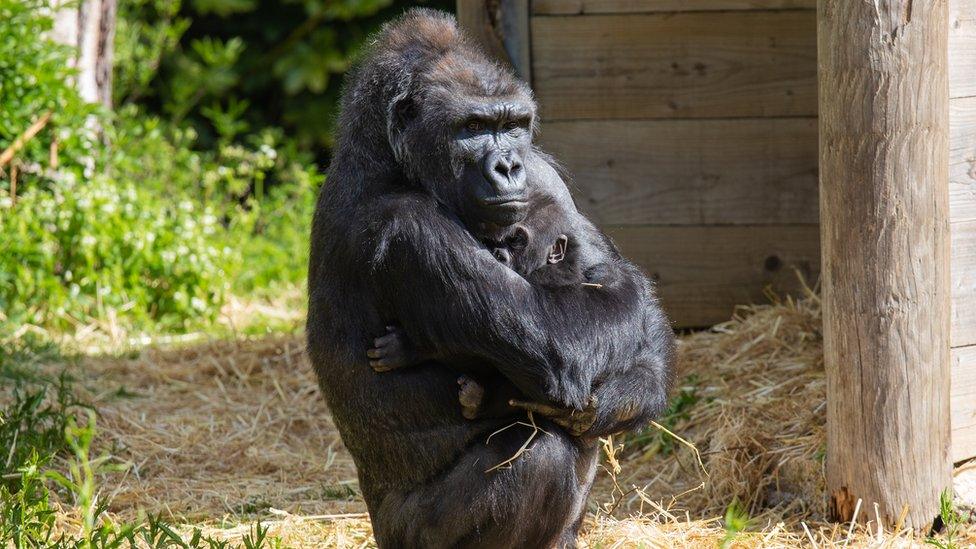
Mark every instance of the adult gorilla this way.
pixel 434 139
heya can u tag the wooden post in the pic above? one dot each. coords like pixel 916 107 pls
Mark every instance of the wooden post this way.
pixel 502 28
pixel 885 240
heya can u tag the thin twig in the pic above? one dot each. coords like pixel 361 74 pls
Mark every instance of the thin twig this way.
pixel 13 182
pixel 686 443
pixel 521 450
pixel 337 516
pixel 19 143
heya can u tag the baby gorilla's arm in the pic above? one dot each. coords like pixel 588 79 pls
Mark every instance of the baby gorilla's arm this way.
pixel 395 350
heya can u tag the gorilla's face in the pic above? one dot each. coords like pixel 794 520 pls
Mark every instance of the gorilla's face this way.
pixel 470 149
pixel 492 142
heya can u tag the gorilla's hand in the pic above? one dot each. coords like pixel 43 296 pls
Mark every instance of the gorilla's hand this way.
pixel 575 422
pixel 470 396
pixel 392 351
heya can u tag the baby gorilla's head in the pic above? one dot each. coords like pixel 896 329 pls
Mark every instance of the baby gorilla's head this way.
pixel 526 249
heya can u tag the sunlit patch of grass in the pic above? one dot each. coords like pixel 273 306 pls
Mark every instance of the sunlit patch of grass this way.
pixel 32 427
pixel 47 459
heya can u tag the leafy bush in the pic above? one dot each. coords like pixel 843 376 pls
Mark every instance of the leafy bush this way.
pixel 34 82
pixel 262 190
pixel 284 60
pixel 156 234
pixel 102 249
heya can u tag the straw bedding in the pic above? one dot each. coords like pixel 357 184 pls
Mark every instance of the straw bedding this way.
pixel 222 433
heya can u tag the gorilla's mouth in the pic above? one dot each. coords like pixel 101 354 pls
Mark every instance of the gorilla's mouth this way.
pixel 503 210
pixel 511 201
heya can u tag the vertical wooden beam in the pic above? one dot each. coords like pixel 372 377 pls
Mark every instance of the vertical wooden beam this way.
pixel 502 28
pixel 885 239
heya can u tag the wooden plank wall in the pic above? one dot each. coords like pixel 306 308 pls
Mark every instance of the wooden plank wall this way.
pixel 962 215
pixel 690 129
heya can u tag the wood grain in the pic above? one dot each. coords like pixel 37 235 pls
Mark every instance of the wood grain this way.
pixel 474 18
pixel 690 172
pixel 683 65
pixel 962 159
pixel 580 7
pixel 501 28
pixel 516 38
pixel 963 283
pixel 962 48
pixel 884 134
pixel 963 401
pixel 704 272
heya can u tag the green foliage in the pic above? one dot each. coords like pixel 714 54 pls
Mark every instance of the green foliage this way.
pixel 33 81
pixel 146 31
pixel 32 429
pixel 950 519
pixel 27 514
pixel 96 249
pixel 736 521
pixel 161 240
pixel 148 229
pixel 282 59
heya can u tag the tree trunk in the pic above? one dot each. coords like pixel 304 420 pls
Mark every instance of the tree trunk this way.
pixel 90 29
pixel 885 240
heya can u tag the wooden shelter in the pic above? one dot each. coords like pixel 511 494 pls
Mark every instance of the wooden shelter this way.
pixel 698 140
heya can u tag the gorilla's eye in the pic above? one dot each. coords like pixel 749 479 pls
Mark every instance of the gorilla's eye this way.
pixel 511 125
pixel 519 239
pixel 475 126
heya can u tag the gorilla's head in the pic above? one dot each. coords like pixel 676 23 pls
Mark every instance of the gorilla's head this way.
pixel 456 123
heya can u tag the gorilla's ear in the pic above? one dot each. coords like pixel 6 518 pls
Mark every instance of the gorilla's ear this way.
pixel 558 251
pixel 400 113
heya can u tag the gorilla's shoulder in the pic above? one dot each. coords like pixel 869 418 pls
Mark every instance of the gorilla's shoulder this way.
pixel 412 215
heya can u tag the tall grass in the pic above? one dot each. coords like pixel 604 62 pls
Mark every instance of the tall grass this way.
pixel 50 496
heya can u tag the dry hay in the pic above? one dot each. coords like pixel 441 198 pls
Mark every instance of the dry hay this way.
pixel 222 428
pixel 224 432
pixel 756 394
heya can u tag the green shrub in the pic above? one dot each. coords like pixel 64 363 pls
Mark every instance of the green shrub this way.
pixel 286 59
pixel 262 190
pixel 34 77
pixel 140 227
pixel 159 238
pixel 100 249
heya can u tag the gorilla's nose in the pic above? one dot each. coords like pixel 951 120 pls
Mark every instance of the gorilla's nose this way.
pixel 506 174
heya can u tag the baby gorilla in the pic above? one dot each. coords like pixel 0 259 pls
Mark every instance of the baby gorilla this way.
pixel 541 251
pixel 539 242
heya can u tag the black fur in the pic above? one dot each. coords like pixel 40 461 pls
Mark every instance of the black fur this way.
pixel 391 243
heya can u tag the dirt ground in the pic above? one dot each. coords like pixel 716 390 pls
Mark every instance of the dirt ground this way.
pixel 221 433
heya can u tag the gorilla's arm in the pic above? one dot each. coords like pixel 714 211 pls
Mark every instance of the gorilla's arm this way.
pixel 450 295
pixel 630 397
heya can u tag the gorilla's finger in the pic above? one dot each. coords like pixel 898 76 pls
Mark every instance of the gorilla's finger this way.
pixel 544 409
pixel 375 353
pixel 383 341
pixel 563 422
pixel 381 365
